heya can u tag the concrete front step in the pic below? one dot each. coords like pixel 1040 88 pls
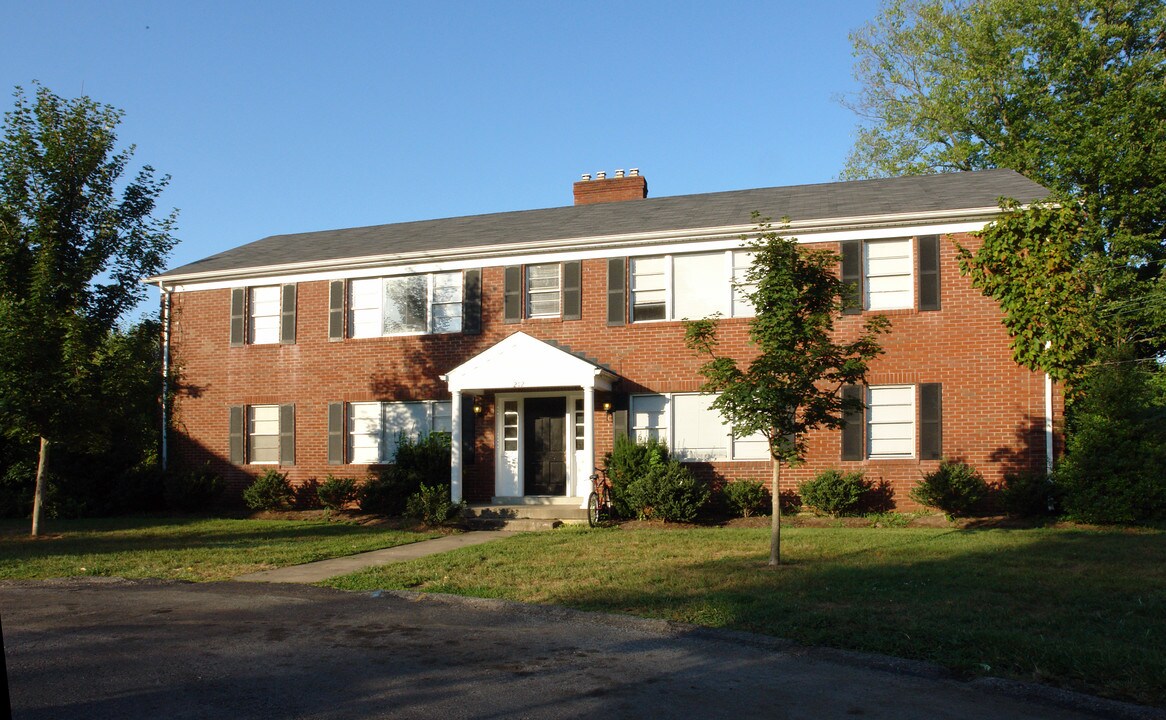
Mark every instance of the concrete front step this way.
pixel 526 514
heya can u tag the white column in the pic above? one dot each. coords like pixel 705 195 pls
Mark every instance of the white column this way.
pixel 583 482
pixel 455 447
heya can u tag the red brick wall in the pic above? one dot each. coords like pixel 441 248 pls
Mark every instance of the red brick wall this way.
pixel 993 410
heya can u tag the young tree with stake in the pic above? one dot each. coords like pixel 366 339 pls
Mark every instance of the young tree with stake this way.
pixel 794 383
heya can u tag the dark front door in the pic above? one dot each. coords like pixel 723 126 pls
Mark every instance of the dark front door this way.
pixel 544 464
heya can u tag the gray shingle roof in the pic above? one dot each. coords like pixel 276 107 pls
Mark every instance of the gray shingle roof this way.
pixel 801 203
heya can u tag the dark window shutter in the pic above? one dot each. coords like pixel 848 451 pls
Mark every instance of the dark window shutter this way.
pixel 336 310
pixel 287 317
pixel 852 276
pixel 336 433
pixel 472 303
pixel 468 429
pixel 929 272
pixel 931 421
pixel 512 294
pixel 853 446
pixel 287 434
pixel 236 435
pixel 572 290
pixel 617 291
pixel 238 308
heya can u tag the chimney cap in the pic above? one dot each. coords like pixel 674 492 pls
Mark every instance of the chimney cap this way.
pixel 601 175
pixel 586 177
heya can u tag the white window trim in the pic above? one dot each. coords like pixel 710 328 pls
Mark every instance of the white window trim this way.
pixel 249 419
pixel 431 415
pixel 250 316
pixel 670 430
pixel 914 423
pixel 909 275
pixel 727 281
pixel 430 303
pixel 558 291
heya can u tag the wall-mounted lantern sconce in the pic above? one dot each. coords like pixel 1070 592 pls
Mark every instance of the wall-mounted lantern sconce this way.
pixel 607 408
pixel 478 405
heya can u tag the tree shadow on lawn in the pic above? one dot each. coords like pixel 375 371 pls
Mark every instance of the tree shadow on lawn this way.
pixel 1085 610
pixel 120 535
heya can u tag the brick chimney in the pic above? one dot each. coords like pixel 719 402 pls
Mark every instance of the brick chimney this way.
pixel 616 189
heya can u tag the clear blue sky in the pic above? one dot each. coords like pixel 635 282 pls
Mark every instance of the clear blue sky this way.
pixel 286 116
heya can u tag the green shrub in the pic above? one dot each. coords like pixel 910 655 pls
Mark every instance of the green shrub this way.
pixel 1029 494
pixel 417 462
pixel 747 497
pixel 424 460
pixel 667 492
pixel 956 488
pixel 834 493
pixel 627 462
pixel 192 489
pixel 335 493
pixel 269 491
pixel 384 493
pixel 1115 446
pixel 431 505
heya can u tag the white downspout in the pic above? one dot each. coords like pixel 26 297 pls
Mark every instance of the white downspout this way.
pixel 165 374
pixel 1048 424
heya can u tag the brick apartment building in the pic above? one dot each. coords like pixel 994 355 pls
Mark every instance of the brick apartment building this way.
pixel 534 336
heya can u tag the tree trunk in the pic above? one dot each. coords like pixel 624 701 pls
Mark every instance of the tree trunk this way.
pixel 41 479
pixel 775 529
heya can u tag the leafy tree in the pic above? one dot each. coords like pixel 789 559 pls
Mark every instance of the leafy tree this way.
pixel 1069 93
pixel 75 239
pixel 794 383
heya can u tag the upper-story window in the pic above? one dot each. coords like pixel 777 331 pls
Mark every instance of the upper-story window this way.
pixel 405 305
pixel 887 281
pixel 544 290
pixel 675 287
pixel 883 273
pixel 262 315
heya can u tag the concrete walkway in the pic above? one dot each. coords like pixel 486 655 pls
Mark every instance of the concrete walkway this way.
pixel 309 573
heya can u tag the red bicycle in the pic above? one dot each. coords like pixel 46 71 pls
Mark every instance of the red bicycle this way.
pixel 600 509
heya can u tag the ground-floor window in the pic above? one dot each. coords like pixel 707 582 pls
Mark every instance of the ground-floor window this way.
pixel 376 428
pixel 691 428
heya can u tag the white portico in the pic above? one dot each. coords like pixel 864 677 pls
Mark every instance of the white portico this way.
pixel 544 408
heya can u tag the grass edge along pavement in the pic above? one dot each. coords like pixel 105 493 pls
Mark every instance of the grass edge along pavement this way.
pixel 194 549
pixel 1073 607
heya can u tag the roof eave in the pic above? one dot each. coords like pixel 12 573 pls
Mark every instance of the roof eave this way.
pixel 798 228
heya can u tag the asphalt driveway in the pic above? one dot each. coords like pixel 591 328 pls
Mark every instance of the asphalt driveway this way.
pixel 95 649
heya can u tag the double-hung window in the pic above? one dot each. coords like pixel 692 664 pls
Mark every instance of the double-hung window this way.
pixel 263 315
pixel 896 421
pixel 376 428
pixel 543 288
pixel 883 273
pixel 697 285
pixel 405 305
pixel 262 434
pixel 691 428
pixel 543 291
pixel 890 421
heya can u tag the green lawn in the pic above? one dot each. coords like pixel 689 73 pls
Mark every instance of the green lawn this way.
pixel 195 549
pixel 1078 608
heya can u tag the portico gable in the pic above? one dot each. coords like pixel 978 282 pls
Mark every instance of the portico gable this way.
pixel 523 364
